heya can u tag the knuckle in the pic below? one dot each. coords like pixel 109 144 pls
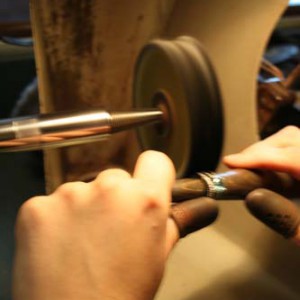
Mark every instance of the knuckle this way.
pixel 31 214
pixel 70 191
pixel 110 180
pixel 107 184
pixel 73 195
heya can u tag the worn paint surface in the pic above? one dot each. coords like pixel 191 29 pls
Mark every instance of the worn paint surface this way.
pixel 85 54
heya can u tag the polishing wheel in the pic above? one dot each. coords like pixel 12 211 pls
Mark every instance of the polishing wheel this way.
pixel 177 78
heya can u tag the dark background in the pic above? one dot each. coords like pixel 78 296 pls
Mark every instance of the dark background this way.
pixel 14 10
pixel 21 174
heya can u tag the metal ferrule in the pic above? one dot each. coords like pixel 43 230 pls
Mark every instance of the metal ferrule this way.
pixel 214 183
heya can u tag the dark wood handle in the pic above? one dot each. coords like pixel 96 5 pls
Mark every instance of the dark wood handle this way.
pixel 237 184
pixel 240 182
pixel 188 188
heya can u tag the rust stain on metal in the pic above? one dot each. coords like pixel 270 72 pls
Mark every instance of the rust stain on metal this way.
pixel 82 38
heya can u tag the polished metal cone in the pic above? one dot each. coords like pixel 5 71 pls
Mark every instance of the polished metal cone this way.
pixel 71 128
pixel 127 120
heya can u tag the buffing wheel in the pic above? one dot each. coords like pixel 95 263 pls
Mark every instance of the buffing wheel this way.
pixel 177 77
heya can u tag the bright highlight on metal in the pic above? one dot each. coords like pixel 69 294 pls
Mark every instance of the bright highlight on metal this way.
pixel 72 128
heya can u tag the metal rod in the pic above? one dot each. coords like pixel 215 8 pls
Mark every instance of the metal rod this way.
pixel 71 128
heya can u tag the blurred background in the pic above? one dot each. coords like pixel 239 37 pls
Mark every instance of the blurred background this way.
pixel 21 174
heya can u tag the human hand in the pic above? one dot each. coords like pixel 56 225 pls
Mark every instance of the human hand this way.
pixel 107 239
pixel 279 152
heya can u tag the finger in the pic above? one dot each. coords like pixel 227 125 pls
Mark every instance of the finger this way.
pixel 276 159
pixel 192 215
pixel 275 211
pixel 284 137
pixel 279 152
pixel 156 168
pixel 173 235
pixel 254 156
pixel 111 173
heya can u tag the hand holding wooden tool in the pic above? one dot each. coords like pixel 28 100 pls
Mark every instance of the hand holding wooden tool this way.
pixel 261 190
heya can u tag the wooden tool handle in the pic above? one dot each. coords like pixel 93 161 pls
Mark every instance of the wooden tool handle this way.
pixel 188 188
pixel 234 184
pixel 238 183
